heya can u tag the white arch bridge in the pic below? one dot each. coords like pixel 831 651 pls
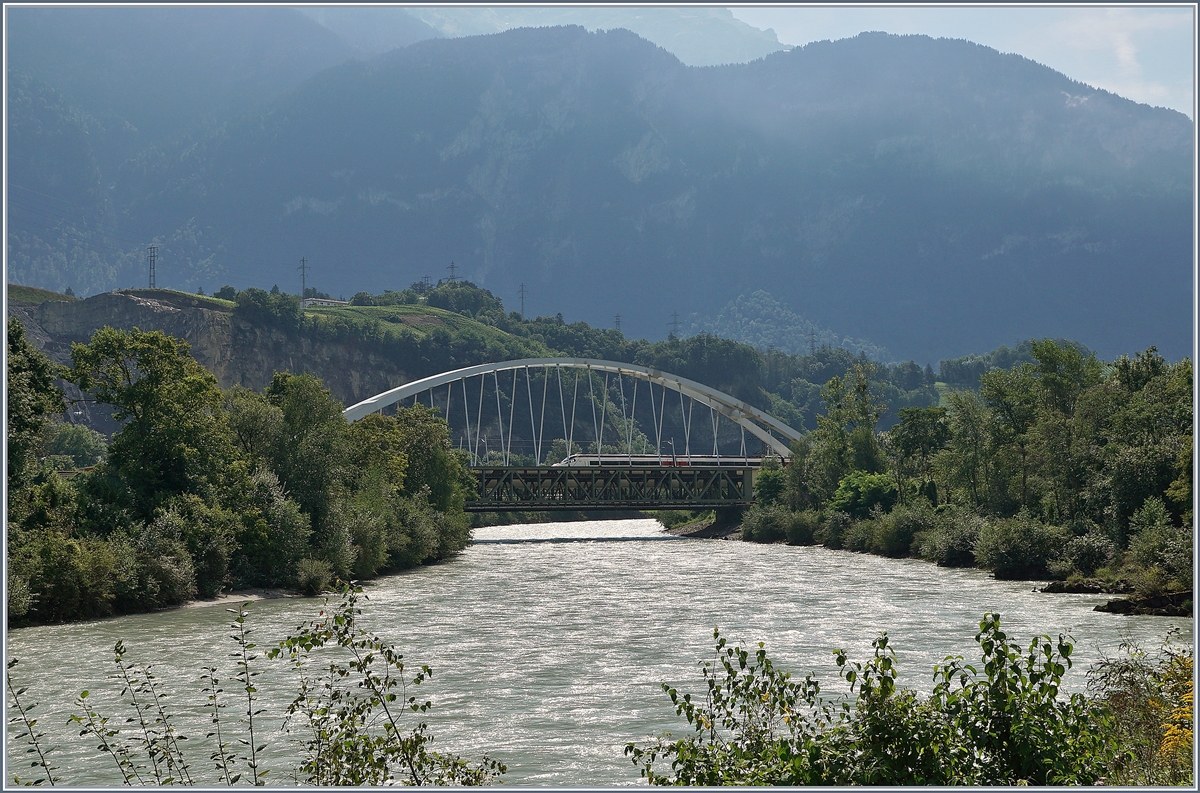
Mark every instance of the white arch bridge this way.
pixel 553 453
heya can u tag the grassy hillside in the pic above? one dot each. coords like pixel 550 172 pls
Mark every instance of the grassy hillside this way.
pixel 31 294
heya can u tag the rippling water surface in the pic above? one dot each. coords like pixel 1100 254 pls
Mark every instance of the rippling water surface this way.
pixel 548 649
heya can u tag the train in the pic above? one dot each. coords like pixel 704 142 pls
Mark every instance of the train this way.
pixel 665 460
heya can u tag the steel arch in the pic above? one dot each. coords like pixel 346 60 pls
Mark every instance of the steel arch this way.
pixel 747 416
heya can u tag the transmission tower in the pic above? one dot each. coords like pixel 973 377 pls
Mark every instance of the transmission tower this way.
pixel 674 323
pixel 522 292
pixel 812 342
pixel 617 322
pixel 151 258
pixel 452 268
pixel 303 268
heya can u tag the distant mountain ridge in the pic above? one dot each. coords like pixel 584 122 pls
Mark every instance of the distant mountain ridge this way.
pixel 933 196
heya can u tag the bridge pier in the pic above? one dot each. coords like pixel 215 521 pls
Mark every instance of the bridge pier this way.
pixel 727 517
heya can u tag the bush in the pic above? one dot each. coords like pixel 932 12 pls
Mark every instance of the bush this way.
pixel 83 445
pixel 1150 699
pixel 834 530
pixel 859 535
pixel 951 541
pixel 765 524
pixel 859 491
pixel 1004 725
pixel 769 485
pixel 1020 547
pixel 313 576
pixel 894 533
pixel 802 527
pixel 1088 553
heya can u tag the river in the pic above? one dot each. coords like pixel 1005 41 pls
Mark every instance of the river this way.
pixel 549 641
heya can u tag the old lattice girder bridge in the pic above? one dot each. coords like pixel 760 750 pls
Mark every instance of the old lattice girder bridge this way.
pixel 635 470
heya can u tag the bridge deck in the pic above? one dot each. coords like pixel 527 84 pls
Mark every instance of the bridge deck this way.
pixel 546 488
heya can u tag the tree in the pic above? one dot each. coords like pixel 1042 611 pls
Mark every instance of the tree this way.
pixel 33 402
pixel 311 455
pixel 1011 398
pixel 920 434
pixel 175 438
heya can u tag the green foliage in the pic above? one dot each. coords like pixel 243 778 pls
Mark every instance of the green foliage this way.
pixel 1158 545
pixel 951 542
pixel 768 485
pixel 859 491
pixel 311 452
pixel 1009 725
pixel 802 527
pixel 83 445
pixel 1088 553
pixel 175 439
pixel 1020 547
pixel 353 704
pixel 33 402
pixel 463 297
pixel 895 533
pixel 765 523
pixel 26 726
pixel 272 534
pixel 313 576
pixel 1150 698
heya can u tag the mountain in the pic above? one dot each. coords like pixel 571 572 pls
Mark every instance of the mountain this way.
pixel 372 29
pixel 764 323
pixel 697 36
pixel 150 74
pixel 933 196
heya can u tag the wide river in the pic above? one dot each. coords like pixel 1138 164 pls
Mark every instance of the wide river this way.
pixel 549 642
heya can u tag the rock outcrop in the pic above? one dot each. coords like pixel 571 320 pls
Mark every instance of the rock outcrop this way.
pixel 237 351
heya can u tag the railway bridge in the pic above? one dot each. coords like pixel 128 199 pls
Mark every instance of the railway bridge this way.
pixel 552 454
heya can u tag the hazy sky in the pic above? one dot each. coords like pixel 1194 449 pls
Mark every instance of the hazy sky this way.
pixel 1144 53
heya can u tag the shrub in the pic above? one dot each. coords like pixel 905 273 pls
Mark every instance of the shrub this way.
pixel 83 445
pixel 765 524
pixel 834 530
pixel 859 491
pixel 951 541
pixel 313 576
pixel 1020 547
pixel 1003 725
pixel 1151 701
pixel 859 535
pixel 894 533
pixel 1088 553
pixel 768 486
pixel 802 527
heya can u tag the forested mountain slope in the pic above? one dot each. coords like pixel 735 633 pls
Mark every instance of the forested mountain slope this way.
pixel 933 197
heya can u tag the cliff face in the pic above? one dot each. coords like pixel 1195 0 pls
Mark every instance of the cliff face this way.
pixel 236 351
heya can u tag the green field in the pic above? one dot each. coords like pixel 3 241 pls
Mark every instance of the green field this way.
pixel 31 294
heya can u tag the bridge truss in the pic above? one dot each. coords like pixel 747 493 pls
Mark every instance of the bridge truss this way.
pixel 660 458
pixel 609 393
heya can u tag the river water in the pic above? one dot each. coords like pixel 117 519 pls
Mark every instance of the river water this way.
pixel 549 642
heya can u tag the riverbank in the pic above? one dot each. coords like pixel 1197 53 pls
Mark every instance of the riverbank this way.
pixel 1177 604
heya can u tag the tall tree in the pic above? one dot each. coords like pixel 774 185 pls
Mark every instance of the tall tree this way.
pixel 33 401
pixel 175 438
